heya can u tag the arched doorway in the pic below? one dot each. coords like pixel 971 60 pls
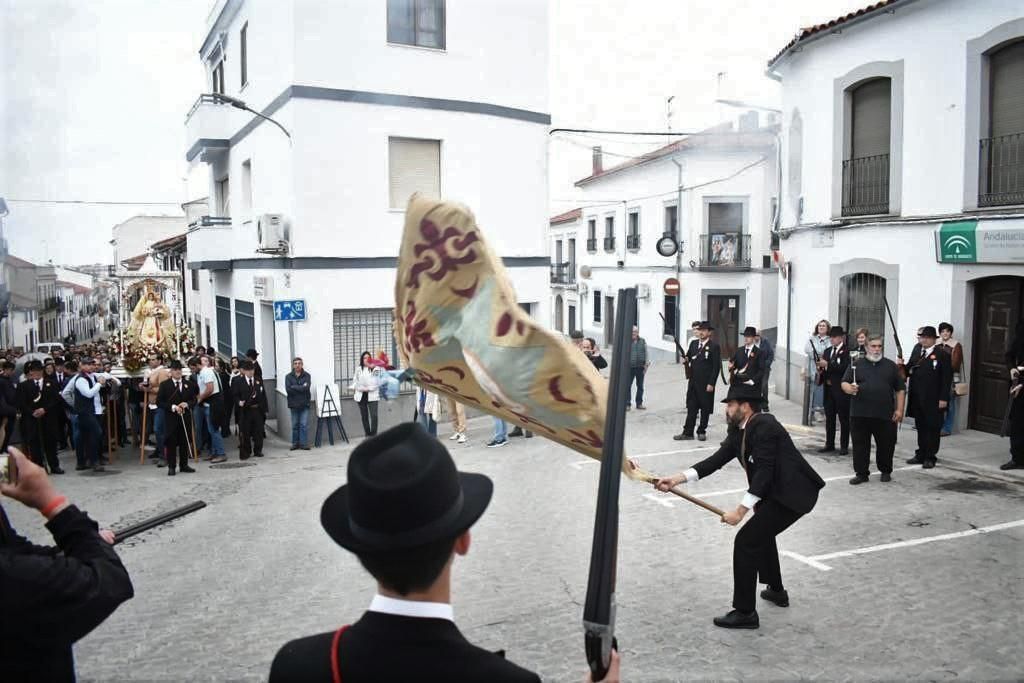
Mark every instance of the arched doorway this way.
pixel 559 319
pixel 998 306
pixel 862 303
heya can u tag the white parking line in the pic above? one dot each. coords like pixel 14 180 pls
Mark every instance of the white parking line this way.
pixel 659 500
pixel 816 560
pixel 578 465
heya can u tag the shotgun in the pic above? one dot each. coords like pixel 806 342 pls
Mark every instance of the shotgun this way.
pixel 157 520
pixel 599 608
pixel 682 352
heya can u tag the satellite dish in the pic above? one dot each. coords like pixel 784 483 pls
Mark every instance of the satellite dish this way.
pixel 585 272
pixel 667 246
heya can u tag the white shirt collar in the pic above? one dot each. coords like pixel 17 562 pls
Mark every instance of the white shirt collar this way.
pixel 928 351
pixel 412 608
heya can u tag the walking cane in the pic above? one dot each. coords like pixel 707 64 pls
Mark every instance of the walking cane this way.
pixel 188 443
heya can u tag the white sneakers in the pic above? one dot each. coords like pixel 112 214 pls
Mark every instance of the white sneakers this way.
pixel 454 436
pixel 458 436
pixel 462 438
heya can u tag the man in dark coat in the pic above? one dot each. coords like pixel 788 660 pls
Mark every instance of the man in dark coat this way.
pixel 8 403
pixel 176 397
pixel 55 595
pixel 252 355
pixel 39 402
pixel 782 487
pixel 405 513
pixel 704 358
pixel 1015 430
pixel 930 374
pixel 251 396
pixel 834 363
pixel 747 364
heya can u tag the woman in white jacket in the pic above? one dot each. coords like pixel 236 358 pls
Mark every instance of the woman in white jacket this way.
pixel 428 410
pixel 365 385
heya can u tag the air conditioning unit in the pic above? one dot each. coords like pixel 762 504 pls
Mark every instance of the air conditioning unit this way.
pixel 643 292
pixel 272 234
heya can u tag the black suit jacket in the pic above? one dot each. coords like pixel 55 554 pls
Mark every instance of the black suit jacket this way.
pixel 775 468
pixel 256 396
pixel 168 395
pixel 30 398
pixel 838 363
pixel 386 647
pixel 931 378
pixel 8 398
pixel 705 364
pixel 752 367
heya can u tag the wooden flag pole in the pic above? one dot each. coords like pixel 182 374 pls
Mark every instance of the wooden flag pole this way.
pixel 696 501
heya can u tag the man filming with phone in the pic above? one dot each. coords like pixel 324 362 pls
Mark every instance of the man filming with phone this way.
pixel 52 596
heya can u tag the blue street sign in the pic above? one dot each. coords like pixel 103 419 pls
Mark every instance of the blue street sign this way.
pixel 290 311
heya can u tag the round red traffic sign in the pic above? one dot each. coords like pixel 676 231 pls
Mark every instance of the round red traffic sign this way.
pixel 671 286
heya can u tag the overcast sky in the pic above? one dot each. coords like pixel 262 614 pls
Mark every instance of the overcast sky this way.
pixel 95 92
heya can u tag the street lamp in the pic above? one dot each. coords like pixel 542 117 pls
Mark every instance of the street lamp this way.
pixel 239 104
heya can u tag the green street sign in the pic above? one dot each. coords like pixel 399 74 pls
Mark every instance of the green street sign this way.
pixel 958 242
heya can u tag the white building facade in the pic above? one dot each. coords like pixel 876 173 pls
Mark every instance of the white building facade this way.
pixel 714 193
pixel 903 181
pixel 380 100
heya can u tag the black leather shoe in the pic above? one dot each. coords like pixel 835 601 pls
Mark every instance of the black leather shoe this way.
pixel 57 471
pixel 914 461
pixel 702 437
pixel 516 432
pixel 1012 465
pixel 859 479
pixel 844 451
pixel 79 468
pixel 171 473
pixel 683 437
pixel 780 598
pixel 294 447
pixel 737 619
pixel 928 464
pixel 827 449
pixel 187 469
pixel 886 476
pixel 258 455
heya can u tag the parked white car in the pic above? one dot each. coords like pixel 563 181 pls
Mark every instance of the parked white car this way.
pixel 49 347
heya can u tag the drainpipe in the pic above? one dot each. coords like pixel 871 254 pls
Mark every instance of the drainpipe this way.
pixel 679 250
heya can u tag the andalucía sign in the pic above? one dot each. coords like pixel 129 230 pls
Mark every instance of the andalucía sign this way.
pixel 984 242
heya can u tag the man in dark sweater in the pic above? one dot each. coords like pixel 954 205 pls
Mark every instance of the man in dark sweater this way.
pixel 876 408
pixel 638 365
pixel 52 595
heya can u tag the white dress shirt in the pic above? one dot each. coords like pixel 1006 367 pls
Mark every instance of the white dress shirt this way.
pixel 749 499
pixel 412 608
pixel 82 387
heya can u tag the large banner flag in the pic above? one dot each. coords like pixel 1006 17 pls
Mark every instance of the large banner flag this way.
pixel 460 327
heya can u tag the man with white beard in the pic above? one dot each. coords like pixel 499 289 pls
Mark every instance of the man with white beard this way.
pixel 876 408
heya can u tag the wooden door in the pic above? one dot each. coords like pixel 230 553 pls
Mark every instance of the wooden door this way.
pixel 609 320
pixel 724 316
pixel 998 304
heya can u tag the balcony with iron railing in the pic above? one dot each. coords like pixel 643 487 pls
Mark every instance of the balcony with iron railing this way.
pixel 1001 171
pixel 633 241
pixel 209 126
pixel 592 244
pixel 609 243
pixel 866 186
pixel 563 273
pixel 724 251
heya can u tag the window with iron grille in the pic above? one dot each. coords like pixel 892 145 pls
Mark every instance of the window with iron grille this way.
pixel 597 306
pixel 357 330
pixel 245 326
pixel 862 303
pixel 633 230
pixel 572 318
pixel 671 220
pixel 866 166
pixel 224 343
pixel 417 22
pixel 592 234
pixel 1002 152
pixel 195 280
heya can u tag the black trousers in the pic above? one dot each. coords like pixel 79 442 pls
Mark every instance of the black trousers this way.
pixel 928 439
pixel 250 432
pixel 698 400
pixel 177 439
pixel 764 388
pixel 837 404
pixel 755 557
pixel 368 411
pixel 41 440
pixel 1017 431
pixel 863 430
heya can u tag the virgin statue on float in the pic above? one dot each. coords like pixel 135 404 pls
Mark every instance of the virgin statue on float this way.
pixel 152 321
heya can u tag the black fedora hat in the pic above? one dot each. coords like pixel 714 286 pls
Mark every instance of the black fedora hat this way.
pixel 705 325
pixel 837 331
pixel 743 392
pixel 749 331
pixel 403 491
pixel 928 331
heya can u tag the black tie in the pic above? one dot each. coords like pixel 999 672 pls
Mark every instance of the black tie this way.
pixel 177 387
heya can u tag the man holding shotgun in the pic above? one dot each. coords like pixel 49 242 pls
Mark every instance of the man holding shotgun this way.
pixel 783 487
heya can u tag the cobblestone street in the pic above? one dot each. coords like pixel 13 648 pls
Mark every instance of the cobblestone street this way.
pixel 219 591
